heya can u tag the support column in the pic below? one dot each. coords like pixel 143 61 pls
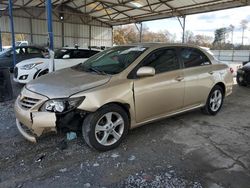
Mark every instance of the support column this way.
pixel 1 46
pixel 112 36
pixel 90 32
pixel 62 33
pixel 12 32
pixel 183 26
pixel 49 23
pixel 50 35
pixel 31 31
pixel 183 29
pixel 140 31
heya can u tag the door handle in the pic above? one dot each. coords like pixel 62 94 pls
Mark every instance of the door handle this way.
pixel 179 78
pixel 211 72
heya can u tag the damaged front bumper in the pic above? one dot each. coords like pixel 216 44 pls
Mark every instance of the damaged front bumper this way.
pixel 30 122
pixel 26 135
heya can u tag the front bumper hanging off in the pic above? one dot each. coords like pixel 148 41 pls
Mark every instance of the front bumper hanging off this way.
pixel 24 133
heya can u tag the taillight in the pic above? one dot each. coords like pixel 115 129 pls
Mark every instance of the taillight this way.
pixel 231 70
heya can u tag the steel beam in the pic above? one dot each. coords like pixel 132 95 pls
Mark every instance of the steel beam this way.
pixel 12 32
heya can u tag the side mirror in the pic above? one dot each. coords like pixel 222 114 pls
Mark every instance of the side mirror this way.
pixel 66 56
pixel 145 71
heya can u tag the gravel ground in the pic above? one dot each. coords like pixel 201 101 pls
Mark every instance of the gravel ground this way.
pixel 188 150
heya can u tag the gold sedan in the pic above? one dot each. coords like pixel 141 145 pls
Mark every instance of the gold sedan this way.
pixel 122 88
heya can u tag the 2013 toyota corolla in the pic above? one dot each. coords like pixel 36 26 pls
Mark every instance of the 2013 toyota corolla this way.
pixel 122 88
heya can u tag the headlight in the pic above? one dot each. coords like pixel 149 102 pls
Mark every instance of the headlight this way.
pixel 30 66
pixel 61 105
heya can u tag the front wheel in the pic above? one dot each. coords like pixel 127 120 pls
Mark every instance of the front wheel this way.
pixel 214 101
pixel 104 129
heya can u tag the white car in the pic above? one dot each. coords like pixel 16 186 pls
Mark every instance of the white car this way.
pixel 30 69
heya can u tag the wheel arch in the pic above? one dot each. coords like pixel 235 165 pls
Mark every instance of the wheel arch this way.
pixel 124 106
pixel 223 86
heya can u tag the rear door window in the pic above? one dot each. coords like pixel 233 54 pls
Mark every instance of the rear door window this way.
pixel 192 57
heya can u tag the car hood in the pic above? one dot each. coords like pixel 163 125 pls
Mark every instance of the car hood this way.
pixel 31 61
pixel 66 82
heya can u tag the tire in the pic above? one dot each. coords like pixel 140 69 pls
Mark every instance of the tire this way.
pixel 240 81
pixel 105 129
pixel 214 101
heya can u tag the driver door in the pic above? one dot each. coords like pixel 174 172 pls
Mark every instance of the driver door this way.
pixel 163 93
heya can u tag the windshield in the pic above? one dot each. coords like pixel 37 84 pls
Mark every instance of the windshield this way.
pixel 113 60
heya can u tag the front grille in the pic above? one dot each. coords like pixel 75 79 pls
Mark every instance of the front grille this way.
pixel 28 103
pixel 15 72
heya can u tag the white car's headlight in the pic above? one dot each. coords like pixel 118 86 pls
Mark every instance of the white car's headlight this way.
pixel 30 66
pixel 61 105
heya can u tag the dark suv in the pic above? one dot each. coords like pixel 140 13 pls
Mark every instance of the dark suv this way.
pixel 243 74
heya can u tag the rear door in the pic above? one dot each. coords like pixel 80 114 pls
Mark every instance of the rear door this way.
pixel 162 93
pixel 198 76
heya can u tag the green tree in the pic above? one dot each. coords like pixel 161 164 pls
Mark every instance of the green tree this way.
pixel 220 36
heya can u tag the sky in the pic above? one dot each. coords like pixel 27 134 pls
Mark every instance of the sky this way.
pixel 207 23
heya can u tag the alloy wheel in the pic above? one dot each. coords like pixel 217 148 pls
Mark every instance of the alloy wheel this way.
pixel 109 128
pixel 215 100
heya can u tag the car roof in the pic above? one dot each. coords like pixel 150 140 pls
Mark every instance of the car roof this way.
pixel 159 44
pixel 40 47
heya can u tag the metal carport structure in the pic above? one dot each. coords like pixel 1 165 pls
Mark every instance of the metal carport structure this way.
pixel 106 13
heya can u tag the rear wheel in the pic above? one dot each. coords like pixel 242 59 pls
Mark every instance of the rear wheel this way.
pixel 214 101
pixel 104 129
